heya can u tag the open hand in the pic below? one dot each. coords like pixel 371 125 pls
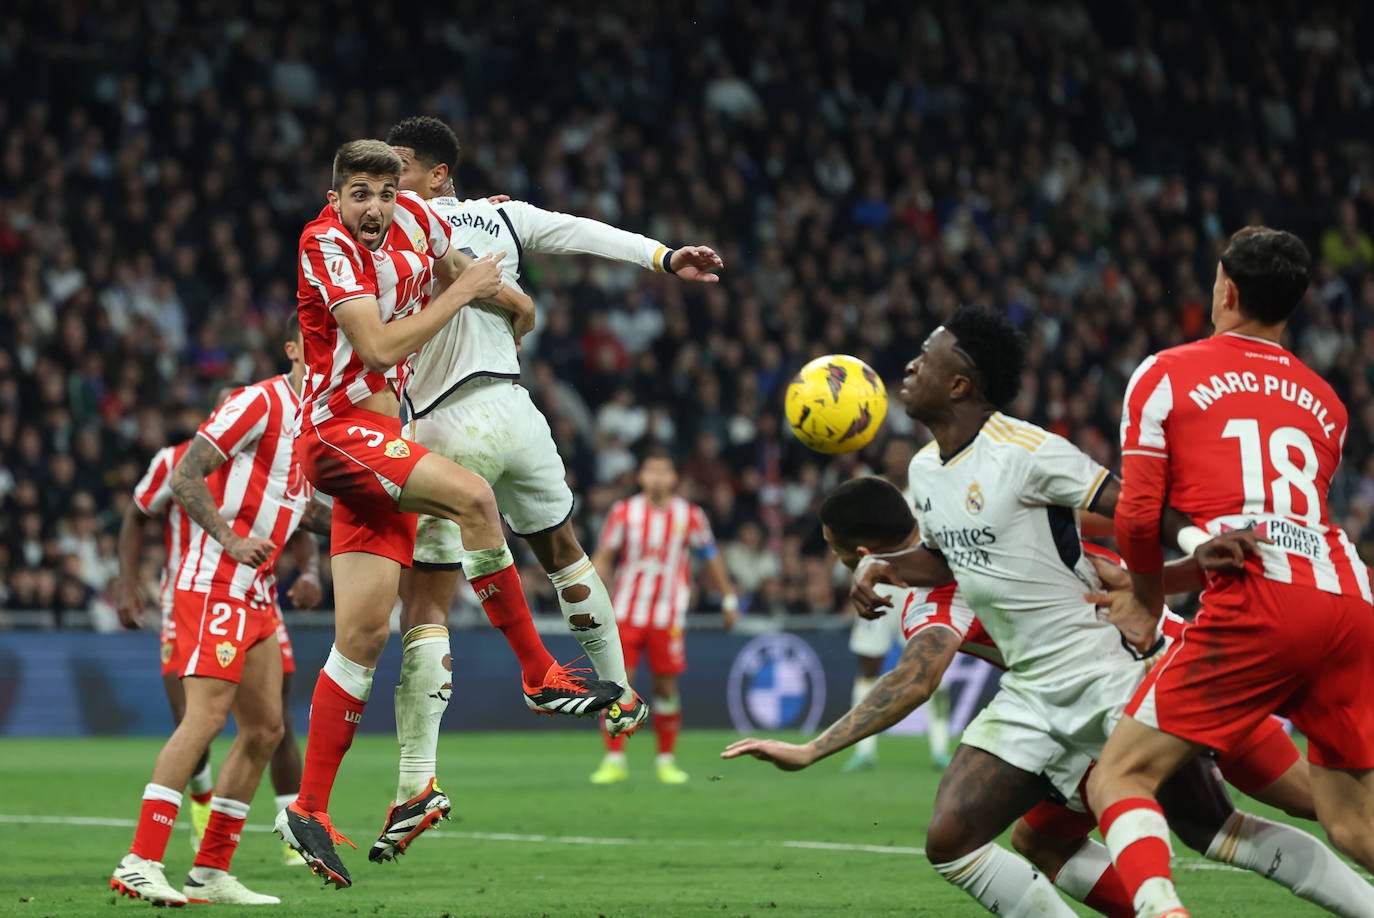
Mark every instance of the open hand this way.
pixel 787 756
pixel 1131 617
pixel 696 263
pixel 1226 553
pixel 870 572
pixel 482 279
pixel 129 605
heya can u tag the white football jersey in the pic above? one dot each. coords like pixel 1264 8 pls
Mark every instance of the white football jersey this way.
pixel 479 342
pixel 1003 512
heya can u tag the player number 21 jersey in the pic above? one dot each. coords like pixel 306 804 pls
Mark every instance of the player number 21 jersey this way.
pixel 653 566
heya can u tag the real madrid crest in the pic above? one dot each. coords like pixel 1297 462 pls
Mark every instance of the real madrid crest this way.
pixel 974 499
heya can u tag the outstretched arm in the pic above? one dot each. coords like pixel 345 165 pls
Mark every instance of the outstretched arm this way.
pixel 719 579
pixel 899 692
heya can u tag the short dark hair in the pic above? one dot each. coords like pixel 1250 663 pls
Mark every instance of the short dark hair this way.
pixel 996 349
pixel 224 389
pixel 652 449
pixel 365 157
pixel 433 141
pixel 1270 268
pixel 293 326
pixel 867 511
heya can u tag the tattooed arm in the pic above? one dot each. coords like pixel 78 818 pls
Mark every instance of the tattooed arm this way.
pixel 190 490
pixel 915 677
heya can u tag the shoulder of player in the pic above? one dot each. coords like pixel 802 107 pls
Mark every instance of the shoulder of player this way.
pixel 1006 432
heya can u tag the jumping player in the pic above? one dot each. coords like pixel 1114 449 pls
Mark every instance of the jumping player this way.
pixel 367 265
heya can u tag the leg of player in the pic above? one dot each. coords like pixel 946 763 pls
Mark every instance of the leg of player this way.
pixel 421 697
pixel 979 797
pixel 201 787
pixel 365 589
pixel 865 755
pixel 286 765
pixel 1200 812
pixel 1055 839
pixel 586 607
pixel 1345 807
pixel 443 488
pixel 1121 789
pixel 667 726
pixel 614 768
pixel 258 716
pixel 140 874
pixel 937 726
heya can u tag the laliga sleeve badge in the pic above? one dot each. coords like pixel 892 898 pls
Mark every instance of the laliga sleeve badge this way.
pixel 397 449
pixel 225 653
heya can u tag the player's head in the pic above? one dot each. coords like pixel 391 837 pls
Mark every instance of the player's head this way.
pixel 293 343
pixel 975 358
pixel 657 476
pixel 429 153
pixel 226 389
pixel 367 174
pixel 867 512
pixel 1261 276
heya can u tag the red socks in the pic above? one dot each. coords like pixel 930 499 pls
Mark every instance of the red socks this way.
pixel 503 599
pixel 613 743
pixel 1109 897
pixel 221 839
pixel 334 718
pixel 1138 836
pixel 666 728
pixel 155 822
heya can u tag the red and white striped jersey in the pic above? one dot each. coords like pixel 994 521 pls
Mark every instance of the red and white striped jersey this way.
pixel 265 492
pixel 653 568
pixel 944 607
pixel 153 496
pixel 335 269
pixel 1237 433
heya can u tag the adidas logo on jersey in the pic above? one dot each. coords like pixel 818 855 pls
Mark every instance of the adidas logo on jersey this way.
pixel 487 592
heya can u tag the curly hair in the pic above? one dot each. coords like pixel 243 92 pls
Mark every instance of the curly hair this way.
pixel 433 141
pixel 996 349
pixel 867 511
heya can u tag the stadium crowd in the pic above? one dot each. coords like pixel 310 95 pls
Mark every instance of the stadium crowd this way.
pixel 861 171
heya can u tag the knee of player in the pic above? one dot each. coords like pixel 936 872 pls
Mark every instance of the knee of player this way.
pixel 948 838
pixel 474 501
pixel 264 736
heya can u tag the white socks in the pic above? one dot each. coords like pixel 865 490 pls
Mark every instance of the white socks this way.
pixel 353 678
pixel 601 639
pixel 421 699
pixel 203 781
pixel 1005 884
pixel 282 801
pixel 866 748
pixel 1293 858
pixel 1083 869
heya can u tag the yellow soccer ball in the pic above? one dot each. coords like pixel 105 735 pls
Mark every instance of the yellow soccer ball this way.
pixel 836 404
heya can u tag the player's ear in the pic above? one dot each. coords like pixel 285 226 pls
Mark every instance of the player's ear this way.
pixel 863 551
pixel 333 198
pixel 437 176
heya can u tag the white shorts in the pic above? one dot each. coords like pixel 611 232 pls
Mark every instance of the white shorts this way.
pixel 875 637
pixel 1057 733
pixel 492 428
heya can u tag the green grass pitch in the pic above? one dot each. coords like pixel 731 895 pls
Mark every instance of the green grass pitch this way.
pixel 532 837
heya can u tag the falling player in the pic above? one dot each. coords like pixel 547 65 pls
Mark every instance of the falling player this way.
pixel 997 500
pixel 1292 632
pixel 461 392
pixel 367 264
pixel 650 540
pixel 226 632
pixel 862 516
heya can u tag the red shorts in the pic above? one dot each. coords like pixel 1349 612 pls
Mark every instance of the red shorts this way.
pixel 666 647
pixel 1261 759
pixel 1260 647
pixel 215 633
pixel 1058 821
pixel 362 461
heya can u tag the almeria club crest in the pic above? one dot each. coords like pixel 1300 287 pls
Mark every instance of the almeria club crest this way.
pixel 835 375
